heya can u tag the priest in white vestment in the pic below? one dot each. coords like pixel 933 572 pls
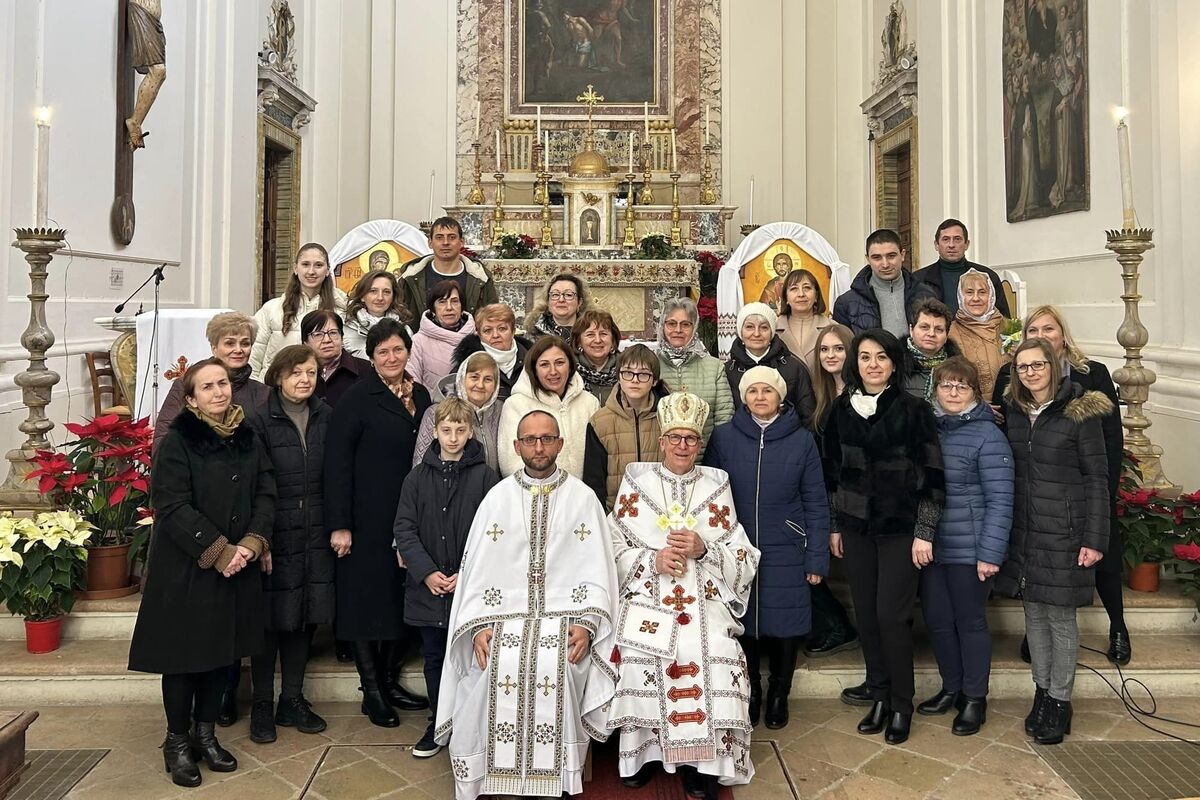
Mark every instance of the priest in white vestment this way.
pixel 528 676
pixel 684 567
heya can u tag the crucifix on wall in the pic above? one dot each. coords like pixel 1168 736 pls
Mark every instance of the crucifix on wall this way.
pixel 141 48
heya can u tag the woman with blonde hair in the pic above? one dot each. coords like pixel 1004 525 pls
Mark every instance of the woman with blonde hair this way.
pixel 309 288
pixel 802 316
pixel 376 296
pixel 1047 322
pixel 978 327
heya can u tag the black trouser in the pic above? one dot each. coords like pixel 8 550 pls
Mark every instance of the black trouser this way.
pixel 193 693
pixel 828 614
pixel 433 649
pixel 883 584
pixel 292 648
pixel 781 654
pixel 954 604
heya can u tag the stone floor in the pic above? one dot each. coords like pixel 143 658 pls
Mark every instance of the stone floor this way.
pixel 818 755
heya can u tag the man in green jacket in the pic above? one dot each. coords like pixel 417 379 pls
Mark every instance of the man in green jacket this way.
pixel 419 276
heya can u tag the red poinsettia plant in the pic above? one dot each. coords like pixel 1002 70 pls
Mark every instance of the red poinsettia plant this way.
pixel 104 475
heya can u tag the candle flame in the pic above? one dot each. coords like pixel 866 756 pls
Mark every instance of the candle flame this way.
pixel 1120 113
pixel 43 115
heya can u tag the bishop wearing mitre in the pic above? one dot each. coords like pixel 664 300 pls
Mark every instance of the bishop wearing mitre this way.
pixel 684 568
pixel 528 673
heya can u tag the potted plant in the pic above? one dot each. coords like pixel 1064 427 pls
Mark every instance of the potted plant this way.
pixel 42 564
pixel 706 306
pixel 1147 521
pixel 516 245
pixel 103 476
pixel 1185 562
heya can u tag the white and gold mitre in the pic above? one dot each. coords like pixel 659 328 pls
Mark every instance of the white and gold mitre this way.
pixel 682 410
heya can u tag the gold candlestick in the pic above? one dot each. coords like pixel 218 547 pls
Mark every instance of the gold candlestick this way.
pixel 676 233
pixel 708 193
pixel 547 232
pixel 629 240
pixel 646 197
pixel 475 196
pixel 537 184
pixel 498 211
pixel 1134 379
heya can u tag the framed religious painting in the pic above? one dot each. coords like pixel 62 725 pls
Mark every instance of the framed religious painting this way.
pixel 556 48
pixel 1045 88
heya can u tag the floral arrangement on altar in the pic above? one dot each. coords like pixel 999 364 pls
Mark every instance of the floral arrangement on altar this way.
pixel 103 476
pixel 658 247
pixel 516 245
pixel 706 305
pixel 42 563
pixel 1010 335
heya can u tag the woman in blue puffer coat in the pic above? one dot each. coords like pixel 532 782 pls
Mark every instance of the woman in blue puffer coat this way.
pixel 779 491
pixel 970 544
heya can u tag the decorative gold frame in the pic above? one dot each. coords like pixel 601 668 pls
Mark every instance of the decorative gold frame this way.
pixel 884 145
pixel 271 130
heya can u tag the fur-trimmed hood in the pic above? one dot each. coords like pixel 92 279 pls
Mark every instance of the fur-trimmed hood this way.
pixel 417 265
pixel 204 440
pixel 1078 404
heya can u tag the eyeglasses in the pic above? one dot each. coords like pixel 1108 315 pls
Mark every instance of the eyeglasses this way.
pixel 1032 366
pixel 636 377
pixel 678 439
pixel 953 388
pixel 323 335
pixel 533 441
pixel 562 295
pixel 673 324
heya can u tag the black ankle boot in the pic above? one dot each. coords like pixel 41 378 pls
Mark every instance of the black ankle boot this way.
pixel 755 699
pixel 206 747
pixel 177 756
pixel 295 712
pixel 1033 719
pixel 228 714
pixel 783 669
pixel 389 677
pixel 1056 722
pixel 858 695
pixel 971 716
pixel 898 726
pixel 374 705
pixel 776 715
pixel 1119 650
pixel 262 722
pixel 940 703
pixel 876 718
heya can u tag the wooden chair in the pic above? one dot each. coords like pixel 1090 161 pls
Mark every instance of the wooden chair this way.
pixel 105 383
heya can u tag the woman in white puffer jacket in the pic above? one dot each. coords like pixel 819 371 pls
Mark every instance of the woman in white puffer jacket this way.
pixel 309 288
pixel 549 383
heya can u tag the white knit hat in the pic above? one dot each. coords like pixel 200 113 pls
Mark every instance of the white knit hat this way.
pixel 761 309
pixel 760 374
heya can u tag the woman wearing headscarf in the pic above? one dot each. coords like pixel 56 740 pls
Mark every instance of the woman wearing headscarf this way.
pixel 477 382
pixel 977 328
pixel 758 346
pixel 687 366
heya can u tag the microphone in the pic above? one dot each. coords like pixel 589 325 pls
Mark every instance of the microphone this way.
pixel 158 276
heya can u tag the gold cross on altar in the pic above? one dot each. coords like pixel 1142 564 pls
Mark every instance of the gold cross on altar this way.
pixel 495 532
pixel 507 685
pixel 589 99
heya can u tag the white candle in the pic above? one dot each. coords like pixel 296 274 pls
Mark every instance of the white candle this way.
pixel 751 199
pixel 707 120
pixel 539 122
pixel 546 151
pixel 646 119
pixel 497 150
pixel 674 155
pixel 1129 216
pixel 432 175
pixel 43 164
pixel 478 116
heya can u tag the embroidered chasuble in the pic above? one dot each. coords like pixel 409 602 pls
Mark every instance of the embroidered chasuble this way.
pixel 683 692
pixel 538 560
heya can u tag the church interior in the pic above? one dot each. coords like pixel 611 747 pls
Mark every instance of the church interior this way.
pixel 656 148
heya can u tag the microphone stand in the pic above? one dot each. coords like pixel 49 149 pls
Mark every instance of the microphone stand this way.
pixel 158 276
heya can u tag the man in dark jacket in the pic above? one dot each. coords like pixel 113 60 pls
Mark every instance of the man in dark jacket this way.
pixel 437 504
pixel 951 243
pixel 419 276
pixel 882 293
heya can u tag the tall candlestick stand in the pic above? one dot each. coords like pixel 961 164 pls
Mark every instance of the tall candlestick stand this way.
pixel 36 382
pixel 547 232
pixel 536 168
pixel 475 196
pixel 708 193
pixel 646 196
pixel 498 211
pixel 676 233
pixel 1134 379
pixel 629 242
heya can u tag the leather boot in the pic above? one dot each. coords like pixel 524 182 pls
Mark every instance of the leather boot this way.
pixel 783 669
pixel 1033 719
pixel 858 695
pixel 970 717
pixel 177 756
pixel 1056 722
pixel 1119 650
pixel 876 718
pixel 228 714
pixel 940 703
pixel 374 705
pixel 389 674
pixel 206 747
pixel 898 726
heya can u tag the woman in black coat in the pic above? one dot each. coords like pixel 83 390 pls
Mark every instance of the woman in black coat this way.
pixel 1060 522
pixel 1047 322
pixel 213 496
pixel 883 466
pixel 369 451
pixel 298 572
pixel 758 346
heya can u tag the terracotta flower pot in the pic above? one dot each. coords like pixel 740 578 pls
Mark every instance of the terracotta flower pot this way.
pixel 108 573
pixel 1144 577
pixel 43 636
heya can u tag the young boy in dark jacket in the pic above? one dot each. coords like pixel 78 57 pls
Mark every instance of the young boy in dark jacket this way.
pixel 437 503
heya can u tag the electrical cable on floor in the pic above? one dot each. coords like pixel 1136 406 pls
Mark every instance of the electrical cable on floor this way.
pixel 1132 706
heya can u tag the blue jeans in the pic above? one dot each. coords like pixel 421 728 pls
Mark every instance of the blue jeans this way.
pixel 953 602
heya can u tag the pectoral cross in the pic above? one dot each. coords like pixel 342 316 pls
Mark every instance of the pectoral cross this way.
pixel 675 520
pixel 495 532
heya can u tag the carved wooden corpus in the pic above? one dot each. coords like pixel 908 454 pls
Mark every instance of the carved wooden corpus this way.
pixel 123 219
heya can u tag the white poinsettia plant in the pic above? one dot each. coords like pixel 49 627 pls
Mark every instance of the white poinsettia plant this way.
pixel 42 562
